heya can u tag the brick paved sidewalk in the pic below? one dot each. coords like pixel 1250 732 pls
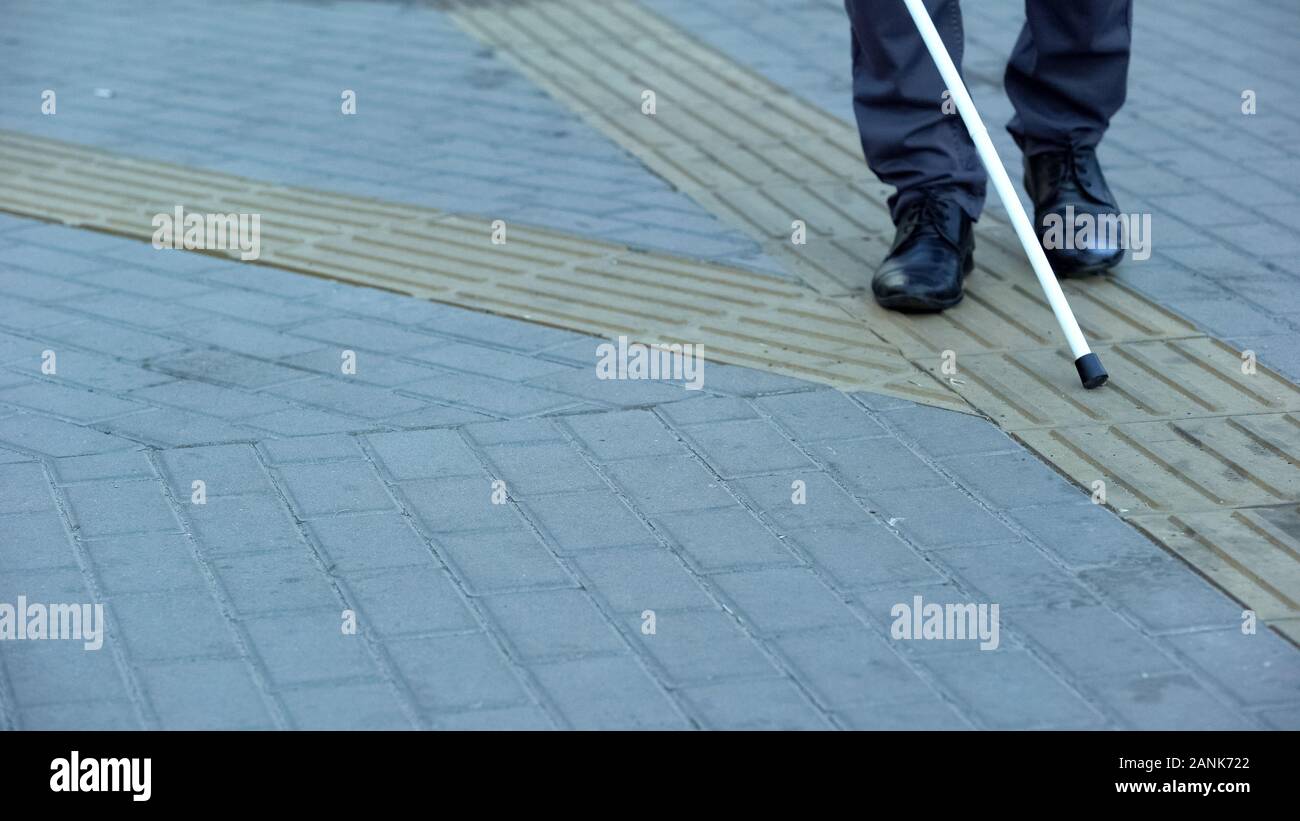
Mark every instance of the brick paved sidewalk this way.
pixel 627 504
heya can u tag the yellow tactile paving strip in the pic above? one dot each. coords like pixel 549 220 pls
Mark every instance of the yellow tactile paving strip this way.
pixel 1193 451
pixel 739 316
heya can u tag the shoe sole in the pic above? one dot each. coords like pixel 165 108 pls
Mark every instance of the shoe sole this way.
pixel 1090 270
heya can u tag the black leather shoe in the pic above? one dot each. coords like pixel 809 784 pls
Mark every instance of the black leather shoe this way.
pixel 933 250
pixel 1067 188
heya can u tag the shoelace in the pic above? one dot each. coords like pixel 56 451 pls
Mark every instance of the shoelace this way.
pixel 934 210
pixel 1069 169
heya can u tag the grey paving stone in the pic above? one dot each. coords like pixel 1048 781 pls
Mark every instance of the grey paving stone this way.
pixel 416 599
pixel 542 468
pixel 1089 641
pixel 117 465
pixel 424 454
pixel 736 381
pixel 702 409
pixel 345 707
pixel 723 539
pixel 1083 534
pixel 584 384
pixel 304 421
pixel 137 310
pixel 1166 701
pixel 202 694
pixel 461 503
pixel 1016 576
pixel 668 484
pixel 780 600
pixel 747 447
pixel 762 704
pixel 224 368
pixel 311 449
pixel 56 584
pixel 300 648
pixel 168 427
pixel 434 415
pixel 586 521
pixel 333 488
pixel 241 524
pixel 1008 688
pixel 862 555
pixel 53 437
pixel 222 402
pixel 103 373
pixel 825 504
pixel 24 489
pixel 1162 595
pixel 49 260
pixel 633 580
pixel 847 668
pixel 33 541
pixel 624 435
pixel 142 563
pixel 1010 480
pixel 224 469
pixel 496 561
pixel 812 416
pixel 551 623
pixel 356 543
pixel 520 430
pixel 530 717
pixel 273 581
pixel 1256 669
pixel 456 673
pixel 139 279
pixel 350 398
pixel 930 714
pixel 494 397
pixel 66 402
pixel 877 466
pixel 250 307
pixel 353 333
pixel 172 624
pixel 879 606
pixel 371 368
pixel 107 508
pixel 81 716
pixel 488 362
pixel 30 317
pixel 9 457
pixel 1285 718
pixel 57 237
pixel 59 672
pixel 114 340
pixel 611 693
pixel 941 517
pixel 699 646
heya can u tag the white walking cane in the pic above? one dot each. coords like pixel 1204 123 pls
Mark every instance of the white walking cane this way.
pixel 1091 372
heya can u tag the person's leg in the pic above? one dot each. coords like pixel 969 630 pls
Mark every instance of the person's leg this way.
pixel 908 140
pixel 1068 74
pixel 1067 78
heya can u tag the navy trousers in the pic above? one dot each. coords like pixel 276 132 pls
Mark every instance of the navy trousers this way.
pixel 1066 78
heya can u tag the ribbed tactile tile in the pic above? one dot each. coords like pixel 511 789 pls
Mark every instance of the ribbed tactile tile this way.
pixel 1190 447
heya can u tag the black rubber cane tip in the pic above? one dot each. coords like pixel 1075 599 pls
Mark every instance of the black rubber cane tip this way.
pixel 1091 373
